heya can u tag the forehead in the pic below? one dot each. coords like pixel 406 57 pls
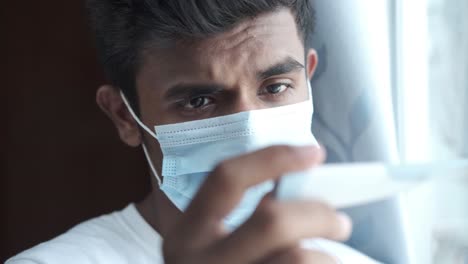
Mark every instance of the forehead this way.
pixel 263 33
pixel 251 45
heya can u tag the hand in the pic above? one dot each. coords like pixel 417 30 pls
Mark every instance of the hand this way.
pixel 272 234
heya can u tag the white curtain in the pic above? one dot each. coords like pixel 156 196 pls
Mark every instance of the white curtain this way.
pixel 448 76
pixel 353 110
pixel 448 101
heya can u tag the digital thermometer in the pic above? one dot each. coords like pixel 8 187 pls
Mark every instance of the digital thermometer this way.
pixel 352 184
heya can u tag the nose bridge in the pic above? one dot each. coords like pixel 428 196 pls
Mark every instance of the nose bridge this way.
pixel 245 100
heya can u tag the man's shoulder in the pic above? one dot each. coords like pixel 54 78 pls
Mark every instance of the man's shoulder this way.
pixel 105 239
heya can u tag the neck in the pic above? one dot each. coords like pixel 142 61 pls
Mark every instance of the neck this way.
pixel 158 211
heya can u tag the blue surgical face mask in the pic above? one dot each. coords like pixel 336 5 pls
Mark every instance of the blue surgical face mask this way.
pixel 191 150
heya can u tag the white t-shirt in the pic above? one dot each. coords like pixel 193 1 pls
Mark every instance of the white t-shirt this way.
pixel 125 237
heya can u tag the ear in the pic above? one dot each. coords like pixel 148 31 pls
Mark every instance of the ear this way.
pixel 109 100
pixel 312 62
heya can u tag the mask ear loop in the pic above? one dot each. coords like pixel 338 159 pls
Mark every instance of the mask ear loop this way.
pixel 145 150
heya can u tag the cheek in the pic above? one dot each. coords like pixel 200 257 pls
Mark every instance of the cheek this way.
pixel 303 93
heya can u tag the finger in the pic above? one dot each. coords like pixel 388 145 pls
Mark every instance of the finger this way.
pixel 225 186
pixel 298 255
pixel 277 225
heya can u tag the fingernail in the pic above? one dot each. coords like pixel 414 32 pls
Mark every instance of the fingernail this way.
pixel 346 224
pixel 310 150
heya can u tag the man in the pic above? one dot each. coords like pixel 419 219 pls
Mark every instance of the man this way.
pixel 225 86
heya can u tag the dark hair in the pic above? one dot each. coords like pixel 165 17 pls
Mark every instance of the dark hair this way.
pixel 124 28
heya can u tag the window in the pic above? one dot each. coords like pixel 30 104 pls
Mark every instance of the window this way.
pixel 431 87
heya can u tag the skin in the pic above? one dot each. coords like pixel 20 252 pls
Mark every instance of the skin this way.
pixel 259 64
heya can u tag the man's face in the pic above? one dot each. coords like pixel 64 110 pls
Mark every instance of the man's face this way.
pixel 258 64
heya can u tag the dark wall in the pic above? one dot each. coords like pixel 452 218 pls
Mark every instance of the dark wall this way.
pixel 62 160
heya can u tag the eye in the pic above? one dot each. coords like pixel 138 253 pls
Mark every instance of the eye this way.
pixel 198 102
pixel 277 88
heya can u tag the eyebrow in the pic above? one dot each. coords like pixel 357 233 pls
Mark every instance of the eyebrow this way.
pixel 192 90
pixel 286 66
